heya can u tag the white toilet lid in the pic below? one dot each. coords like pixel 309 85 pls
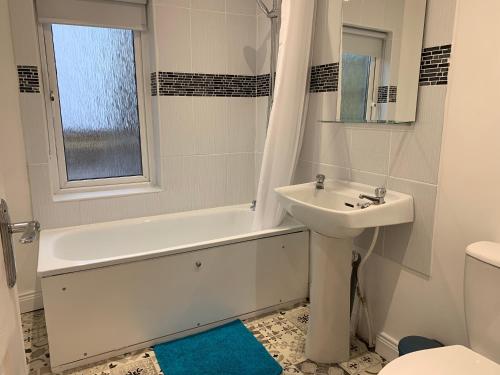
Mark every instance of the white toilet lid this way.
pixel 449 360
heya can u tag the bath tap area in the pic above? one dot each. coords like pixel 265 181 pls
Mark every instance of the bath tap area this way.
pixel 258 187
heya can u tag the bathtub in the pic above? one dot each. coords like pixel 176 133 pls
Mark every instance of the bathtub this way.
pixel 112 287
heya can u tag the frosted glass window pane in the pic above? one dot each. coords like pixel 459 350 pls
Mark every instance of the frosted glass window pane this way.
pixel 98 101
pixel 355 83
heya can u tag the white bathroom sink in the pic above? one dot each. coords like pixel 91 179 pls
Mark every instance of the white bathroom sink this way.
pixel 334 211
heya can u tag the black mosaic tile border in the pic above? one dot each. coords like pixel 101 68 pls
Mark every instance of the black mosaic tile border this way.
pixel 434 65
pixel 324 78
pixel 393 94
pixel 29 81
pixel 382 94
pixel 387 94
pixel 197 84
pixel 154 84
pixel 262 84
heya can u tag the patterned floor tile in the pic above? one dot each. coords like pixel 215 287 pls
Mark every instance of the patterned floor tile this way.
pixel 291 370
pixel 283 334
pixel 138 367
pixel 299 317
pixel 36 345
pixel 364 362
pixel 142 362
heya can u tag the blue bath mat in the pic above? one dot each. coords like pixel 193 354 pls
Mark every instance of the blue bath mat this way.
pixel 225 350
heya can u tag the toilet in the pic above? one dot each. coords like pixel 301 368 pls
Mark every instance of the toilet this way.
pixel 482 311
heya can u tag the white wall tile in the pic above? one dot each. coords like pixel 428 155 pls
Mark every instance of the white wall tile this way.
pixel 173 38
pixel 57 214
pixel 326 48
pixel 24 32
pixel 240 178
pixel 326 143
pixel 181 181
pixel 330 171
pixel 241 35
pixel 440 16
pixel 155 137
pixel 411 244
pixel 178 187
pixel 179 3
pixel 217 5
pixel 310 141
pixel 209 179
pixel 415 150
pixel 303 172
pixel 370 150
pixel 177 126
pixel 260 122
pixel 369 178
pixel 210 125
pixel 327 106
pixel 307 171
pixel 194 182
pixel 118 208
pixel 364 240
pixel 258 165
pixel 269 4
pixel 40 184
pixel 263 44
pixel 209 42
pixel 50 214
pixel 241 124
pixel 334 141
pixel 393 15
pixel 34 128
pixel 241 7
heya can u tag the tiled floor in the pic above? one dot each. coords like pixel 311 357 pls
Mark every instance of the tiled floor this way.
pixel 282 333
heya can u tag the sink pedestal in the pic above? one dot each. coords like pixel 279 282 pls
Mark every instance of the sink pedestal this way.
pixel 335 211
pixel 328 334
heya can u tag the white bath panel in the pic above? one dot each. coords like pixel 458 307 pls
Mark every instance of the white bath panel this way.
pixel 109 309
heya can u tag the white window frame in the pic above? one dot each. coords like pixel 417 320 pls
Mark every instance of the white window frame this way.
pixel 60 183
pixel 373 82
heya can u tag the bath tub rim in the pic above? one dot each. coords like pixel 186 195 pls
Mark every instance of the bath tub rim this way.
pixel 49 265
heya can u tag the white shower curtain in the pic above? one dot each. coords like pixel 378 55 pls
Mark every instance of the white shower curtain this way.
pixel 286 123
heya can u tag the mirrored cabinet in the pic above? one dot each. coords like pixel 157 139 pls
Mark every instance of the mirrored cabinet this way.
pixel 379 60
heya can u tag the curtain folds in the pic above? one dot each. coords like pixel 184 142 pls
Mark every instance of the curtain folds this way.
pixel 287 119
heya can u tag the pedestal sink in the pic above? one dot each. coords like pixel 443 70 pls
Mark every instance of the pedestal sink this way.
pixel 335 216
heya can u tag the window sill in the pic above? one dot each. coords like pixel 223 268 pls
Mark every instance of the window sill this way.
pixel 102 194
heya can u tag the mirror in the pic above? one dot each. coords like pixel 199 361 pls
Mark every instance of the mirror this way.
pixel 381 45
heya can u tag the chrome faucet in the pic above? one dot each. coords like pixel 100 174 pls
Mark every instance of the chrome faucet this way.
pixel 320 181
pixel 253 205
pixel 378 198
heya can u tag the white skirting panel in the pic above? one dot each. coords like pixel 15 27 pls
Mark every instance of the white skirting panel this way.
pixel 104 311
pixel 30 301
pixel 386 346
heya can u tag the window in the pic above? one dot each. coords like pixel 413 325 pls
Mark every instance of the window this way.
pixel 362 58
pixel 355 86
pixel 96 96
